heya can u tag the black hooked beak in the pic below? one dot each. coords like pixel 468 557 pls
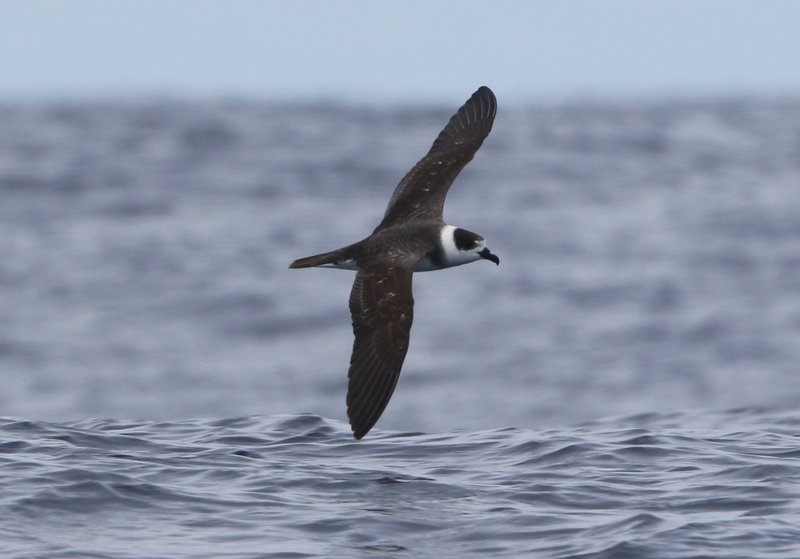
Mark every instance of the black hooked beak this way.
pixel 485 253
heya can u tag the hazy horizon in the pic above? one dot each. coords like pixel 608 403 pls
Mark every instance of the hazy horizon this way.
pixel 383 52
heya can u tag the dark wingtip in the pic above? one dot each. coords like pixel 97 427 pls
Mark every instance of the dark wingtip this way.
pixel 471 123
pixel 360 427
pixel 485 94
pixel 484 90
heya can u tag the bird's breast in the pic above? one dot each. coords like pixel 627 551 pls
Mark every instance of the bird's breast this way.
pixel 428 264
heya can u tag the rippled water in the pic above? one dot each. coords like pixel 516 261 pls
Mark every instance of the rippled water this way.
pixel 653 485
pixel 650 276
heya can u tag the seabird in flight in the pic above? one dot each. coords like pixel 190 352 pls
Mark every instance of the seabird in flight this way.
pixel 412 237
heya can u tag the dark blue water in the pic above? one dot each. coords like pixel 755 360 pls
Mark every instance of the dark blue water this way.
pixel 570 403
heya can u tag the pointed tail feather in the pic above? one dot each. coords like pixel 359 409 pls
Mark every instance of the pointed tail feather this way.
pixel 317 260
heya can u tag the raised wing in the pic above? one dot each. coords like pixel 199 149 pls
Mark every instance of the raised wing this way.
pixel 420 195
pixel 382 308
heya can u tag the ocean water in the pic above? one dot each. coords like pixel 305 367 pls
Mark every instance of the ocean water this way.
pixel 624 384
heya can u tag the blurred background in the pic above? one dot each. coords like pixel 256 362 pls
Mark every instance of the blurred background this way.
pixel 161 164
pixel 390 52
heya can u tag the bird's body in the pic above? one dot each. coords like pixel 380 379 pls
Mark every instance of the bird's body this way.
pixel 412 237
pixel 425 246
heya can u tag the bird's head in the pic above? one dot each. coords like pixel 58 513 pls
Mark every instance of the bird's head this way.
pixel 469 247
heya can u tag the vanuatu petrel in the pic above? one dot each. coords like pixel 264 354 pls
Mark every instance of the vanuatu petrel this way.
pixel 412 237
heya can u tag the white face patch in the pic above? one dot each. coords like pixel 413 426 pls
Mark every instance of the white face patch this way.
pixel 452 255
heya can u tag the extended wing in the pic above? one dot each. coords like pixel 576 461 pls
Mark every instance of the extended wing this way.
pixel 382 308
pixel 420 195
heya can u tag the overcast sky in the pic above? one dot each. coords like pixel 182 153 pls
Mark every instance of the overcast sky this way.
pixel 409 50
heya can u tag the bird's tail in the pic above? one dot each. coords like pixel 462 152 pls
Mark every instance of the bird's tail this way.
pixel 326 258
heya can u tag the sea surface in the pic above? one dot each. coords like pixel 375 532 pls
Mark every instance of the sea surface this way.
pixel 626 384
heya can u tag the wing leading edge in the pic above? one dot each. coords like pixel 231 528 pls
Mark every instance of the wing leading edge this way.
pixel 420 195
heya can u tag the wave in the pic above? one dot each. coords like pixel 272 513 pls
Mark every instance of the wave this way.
pixel 652 485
